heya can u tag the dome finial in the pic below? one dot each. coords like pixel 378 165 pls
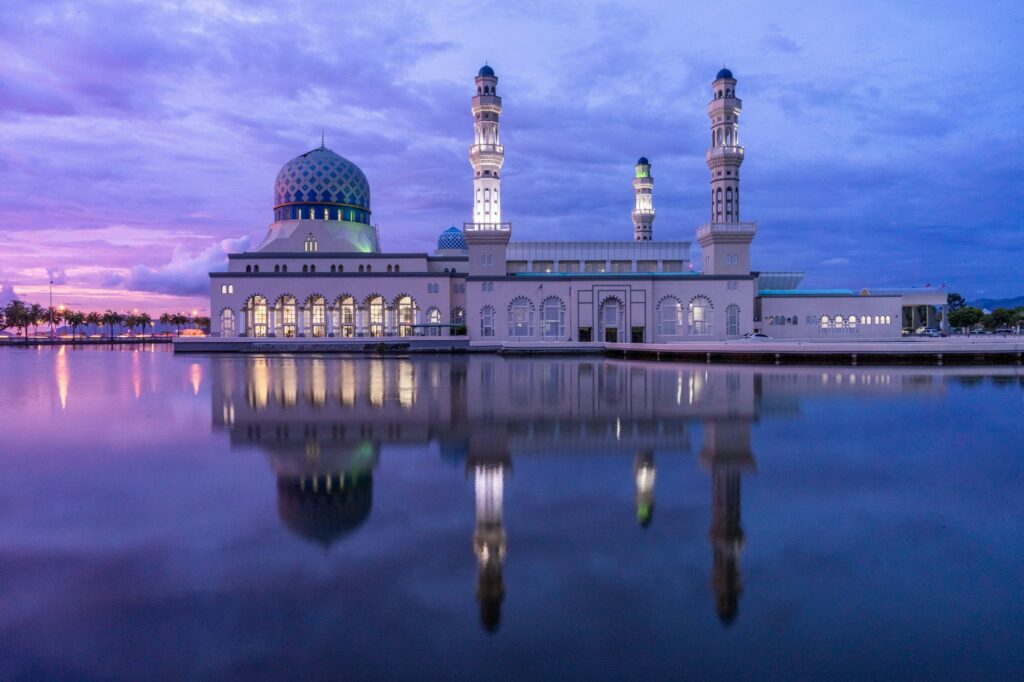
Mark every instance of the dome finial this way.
pixel 321 138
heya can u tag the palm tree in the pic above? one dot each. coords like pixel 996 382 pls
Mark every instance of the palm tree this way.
pixel 144 321
pixel 93 319
pixel 165 319
pixel 17 316
pixel 111 318
pixel 179 320
pixel 75 319
pixel 203 323
pixel 35 316
pixel 53 317
pixel 131 320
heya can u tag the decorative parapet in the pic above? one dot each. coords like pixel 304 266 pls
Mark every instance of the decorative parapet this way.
pixel 726 232
pixel 487 233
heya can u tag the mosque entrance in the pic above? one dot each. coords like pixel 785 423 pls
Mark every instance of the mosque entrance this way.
pixel 611 317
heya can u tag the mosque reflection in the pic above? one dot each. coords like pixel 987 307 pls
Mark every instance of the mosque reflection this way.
pixel 322 422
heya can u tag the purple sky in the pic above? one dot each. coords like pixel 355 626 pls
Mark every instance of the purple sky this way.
pixel 139 141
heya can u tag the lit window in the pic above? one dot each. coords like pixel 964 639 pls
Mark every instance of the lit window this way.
pixel 670 316
pixel 700 316
pixel 487 321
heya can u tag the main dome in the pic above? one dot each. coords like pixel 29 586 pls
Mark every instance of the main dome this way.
pixel 321 180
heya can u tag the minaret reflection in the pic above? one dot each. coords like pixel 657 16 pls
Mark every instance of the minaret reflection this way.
pixel 643 471
pixel 488 472
pixel 726 453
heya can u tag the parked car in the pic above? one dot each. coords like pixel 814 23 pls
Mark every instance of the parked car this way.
pixel 931 333
pixel 757 336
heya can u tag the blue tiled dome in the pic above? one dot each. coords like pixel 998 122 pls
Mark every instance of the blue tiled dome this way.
pixel 485 71
pixel 643 161
pixel 724 73
pixel 322 178
pixel 452 238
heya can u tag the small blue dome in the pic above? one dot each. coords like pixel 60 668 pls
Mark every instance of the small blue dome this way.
pixel 485 71
pixel 452 238
pixel 724 73
pixel 643 161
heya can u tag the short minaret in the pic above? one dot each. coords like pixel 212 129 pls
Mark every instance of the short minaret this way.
pixel 643 472
pixel 489 540
pixel 486 154
pixel 486 235
pixel 724 240
pixel 643 210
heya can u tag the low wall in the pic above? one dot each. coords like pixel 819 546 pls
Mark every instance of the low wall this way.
pixel 912 351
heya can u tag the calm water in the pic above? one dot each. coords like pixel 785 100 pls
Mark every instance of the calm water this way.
pixel 168 517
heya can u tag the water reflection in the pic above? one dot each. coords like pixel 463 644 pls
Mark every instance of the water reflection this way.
pixel 322 423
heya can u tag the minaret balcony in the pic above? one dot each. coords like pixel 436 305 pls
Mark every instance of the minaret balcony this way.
pixel 724 155
pixel 726 232
pixel 643 213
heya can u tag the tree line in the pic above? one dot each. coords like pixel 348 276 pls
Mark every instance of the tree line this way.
pixel 965 317
pixel 22 316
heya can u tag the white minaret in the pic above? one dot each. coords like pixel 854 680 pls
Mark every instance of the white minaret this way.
pixel 486 154
pixel 643 210
pixel 724 240
pixel 725 156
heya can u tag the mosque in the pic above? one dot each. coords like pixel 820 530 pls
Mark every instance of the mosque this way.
pixel 321 278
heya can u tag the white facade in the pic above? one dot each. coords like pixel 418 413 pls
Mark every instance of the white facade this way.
pixel 320 271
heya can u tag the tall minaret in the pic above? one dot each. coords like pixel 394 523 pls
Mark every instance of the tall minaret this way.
pixel 643 211
pixel 725 156
pixel 724 241
pixel 726 452
pixel 486 154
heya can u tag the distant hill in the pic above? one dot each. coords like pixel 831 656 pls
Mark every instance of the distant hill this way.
pixel 993 303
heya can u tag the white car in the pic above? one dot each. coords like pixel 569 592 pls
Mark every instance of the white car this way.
pixel 757 336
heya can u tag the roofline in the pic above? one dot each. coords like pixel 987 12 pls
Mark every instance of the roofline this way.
pixel 265 275
pixel 339 254
pixel 563 276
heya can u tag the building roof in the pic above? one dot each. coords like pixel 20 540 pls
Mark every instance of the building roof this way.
pixel 485 70
pixel 723 73
pixel 643 160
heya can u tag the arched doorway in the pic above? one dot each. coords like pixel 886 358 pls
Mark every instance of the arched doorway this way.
pixel 612 318
pixel 256 316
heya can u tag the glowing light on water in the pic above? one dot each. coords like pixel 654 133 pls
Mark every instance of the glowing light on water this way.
pixel 62 375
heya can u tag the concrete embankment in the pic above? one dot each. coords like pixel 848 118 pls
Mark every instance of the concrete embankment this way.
pixel 947 351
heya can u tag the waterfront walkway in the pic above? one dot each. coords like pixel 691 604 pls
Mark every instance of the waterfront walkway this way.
pixel 913 350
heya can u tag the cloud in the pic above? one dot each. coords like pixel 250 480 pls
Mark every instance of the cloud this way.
pixel 7 293
pixel 778 42
pixel 186 273
pixel 57 275
pixel 836 261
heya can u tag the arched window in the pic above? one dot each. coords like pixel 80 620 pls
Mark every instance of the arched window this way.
pixel 277 268
pixel 458 319
pixel 520 318
pixel 305 268
pixel 487 321
pixel 389 268
pixel 360 268
pixel 376 308
pixel 406 315
pixel 312 268
pixel 397 269
pixel 287 316
pixel 670 316
pixel 369 268
pixel 718 202
pixel 434 320
pixel 256 316
pixel 346 311
pixel 552 318
pixel 341 268
pixel 728 202
pixel 227 322
pixel 700 316
pixel 310 244
pixel 732 320
pixel 317 307
pixel 248 268
pixel 333 268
